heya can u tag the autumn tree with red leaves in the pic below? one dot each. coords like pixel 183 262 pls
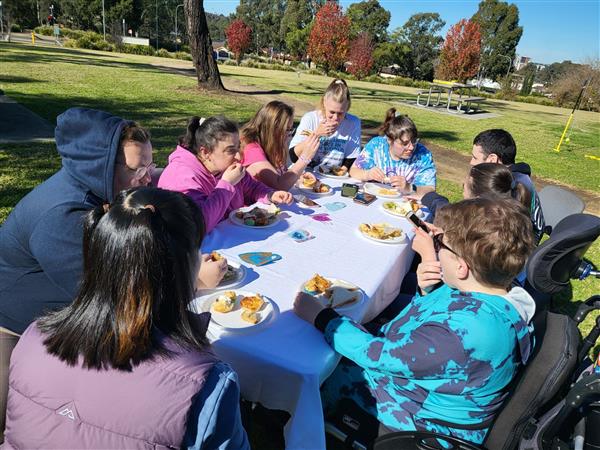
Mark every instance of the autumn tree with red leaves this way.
pixel 361 56
pixel 459 59
pixel 239 38
pixel 329 37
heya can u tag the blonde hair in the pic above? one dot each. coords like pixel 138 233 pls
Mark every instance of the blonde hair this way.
pixel 268 128
pixel 337 91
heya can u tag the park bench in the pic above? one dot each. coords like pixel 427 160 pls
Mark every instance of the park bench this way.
pixel 467 102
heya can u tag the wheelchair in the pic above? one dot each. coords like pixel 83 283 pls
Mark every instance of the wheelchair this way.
pixel 552 400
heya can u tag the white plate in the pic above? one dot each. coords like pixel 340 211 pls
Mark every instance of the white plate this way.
pixel 373 188
pixel 309 191
pixel 397 240
pixel 317 171
pixel 240 270
pixel 239 222
pixel 232 321
pixel 405 205
pixel 343 286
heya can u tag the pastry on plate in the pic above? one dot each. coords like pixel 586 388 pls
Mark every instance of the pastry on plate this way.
pixel 225 303
pixel 308 180
pixel 380 231
pixel 321 188
pixel 317 284
pixel 339 171
pixel 250 316
pixel 384 191
pixel 252 302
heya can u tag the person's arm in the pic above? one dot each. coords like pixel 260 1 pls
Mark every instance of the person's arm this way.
pixel 214 420
pixel 432 200
pixel 364 168
pixel 307 124
pixel 213 205
pixel 255 190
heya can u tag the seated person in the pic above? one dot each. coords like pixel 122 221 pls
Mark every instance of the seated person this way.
pixel 126 365
pixel 265 140
pixel 338 132
pixel 498 146
pixel 397 157
pixel 445 362
pixel 206 166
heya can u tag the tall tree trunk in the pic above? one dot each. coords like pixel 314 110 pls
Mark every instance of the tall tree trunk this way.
pixel 206 67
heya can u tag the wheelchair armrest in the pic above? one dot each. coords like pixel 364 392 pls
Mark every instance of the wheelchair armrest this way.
pixel 421 440
pixel 584 309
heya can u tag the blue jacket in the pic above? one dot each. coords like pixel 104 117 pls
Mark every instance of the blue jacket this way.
pixel 41 240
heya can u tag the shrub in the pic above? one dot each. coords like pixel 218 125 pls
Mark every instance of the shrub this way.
pixel 72 34
pixel 163 53
pixel 374 79
pixel 137 49
pixel 45 30
pixel 185 56
pixel 315 72
pixel 15 28
pixel 93 41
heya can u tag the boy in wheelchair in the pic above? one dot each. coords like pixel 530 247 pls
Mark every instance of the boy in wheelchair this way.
pixel 445 362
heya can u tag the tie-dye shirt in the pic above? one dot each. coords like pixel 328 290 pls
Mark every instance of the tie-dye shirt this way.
pixel 443 364
pixel 419 169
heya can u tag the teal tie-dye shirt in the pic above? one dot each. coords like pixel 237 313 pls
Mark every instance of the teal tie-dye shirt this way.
pixel 419 169
pixel 443 364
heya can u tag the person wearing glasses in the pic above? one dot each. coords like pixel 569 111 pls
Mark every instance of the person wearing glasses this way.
pixel 264 147
pixel 397 157
pixel 446 361
pixel 40 242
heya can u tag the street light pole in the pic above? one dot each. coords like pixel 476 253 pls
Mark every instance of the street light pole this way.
pixel 156 24
pixel 1 23
pixel 103 22
pixel 176 25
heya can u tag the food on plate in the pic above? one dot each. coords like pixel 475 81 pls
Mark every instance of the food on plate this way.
pixel 306 133
pixel 380 231
pixel 339 171
pixel 414 205
pixel 342 296
pixel 250 316
pixel 308 180
pixel 384 191
pixel 401 209
pixel 317 284
pixel 225 303
pixel 252 302
pixel 230 274
pixel 321 188
pixel 257 217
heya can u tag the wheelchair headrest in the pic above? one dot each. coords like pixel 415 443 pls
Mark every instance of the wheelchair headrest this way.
pixel 551 265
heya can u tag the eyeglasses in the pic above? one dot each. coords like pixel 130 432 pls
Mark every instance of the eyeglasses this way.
pixel 414 142
pixel 438 244
pixel 140 172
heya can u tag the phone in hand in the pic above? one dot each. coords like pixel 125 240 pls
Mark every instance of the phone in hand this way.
pixel 364 198
pixel 417 221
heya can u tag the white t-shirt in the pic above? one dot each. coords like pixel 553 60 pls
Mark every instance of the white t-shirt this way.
pixel 342 144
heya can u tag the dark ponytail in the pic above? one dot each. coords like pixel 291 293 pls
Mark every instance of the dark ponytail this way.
pixel 395 126
pixel 496 179
pixel 206 132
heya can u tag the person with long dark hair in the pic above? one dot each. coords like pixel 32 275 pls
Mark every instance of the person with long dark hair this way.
pixel 126 365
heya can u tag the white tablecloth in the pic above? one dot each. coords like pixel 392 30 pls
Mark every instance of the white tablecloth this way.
pixel 282 364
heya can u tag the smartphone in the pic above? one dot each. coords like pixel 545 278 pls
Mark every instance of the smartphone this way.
pixel 364 198
pixel 417 221
pixel 305 200
pixel 349 190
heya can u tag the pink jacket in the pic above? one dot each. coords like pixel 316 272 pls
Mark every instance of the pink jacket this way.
pixel 215 197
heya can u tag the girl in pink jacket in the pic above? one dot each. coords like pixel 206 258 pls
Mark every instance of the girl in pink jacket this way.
pixel 206 167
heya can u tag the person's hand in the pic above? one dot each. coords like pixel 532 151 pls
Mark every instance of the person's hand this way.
pixel 414 196
pixel 375 173
pixel 234 173
pixel 307 307
pixel 279 197
pixel 308 147
pixel 423 244
pixel 429 273
pixel 325 128
pixel 211 272
pixel 399 182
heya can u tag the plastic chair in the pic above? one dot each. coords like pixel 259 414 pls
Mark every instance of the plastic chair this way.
pixel 558 203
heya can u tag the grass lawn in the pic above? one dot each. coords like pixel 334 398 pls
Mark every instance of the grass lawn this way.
pixel 49 80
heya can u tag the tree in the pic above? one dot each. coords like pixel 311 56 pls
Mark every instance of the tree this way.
pixel 391 53
pixel 361 56
pixel 500 35
pixel 264 17
pixel 298 15
pixel 216 25
pixel 529 73
pixel 566 89
pixel 329 37
pixel 297 42
pixel 370 17
pixel 239 38
pixel 206 67
pixel 420 34
pixel 459 59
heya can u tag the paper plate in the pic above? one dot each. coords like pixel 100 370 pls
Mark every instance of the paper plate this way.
pixel 309 191
pixel 241 223
pixel 240 275
pixel 232 321
pixel 378 190
pixel 330 175
pixel 339 287
pixel 396 240
pixel 401 209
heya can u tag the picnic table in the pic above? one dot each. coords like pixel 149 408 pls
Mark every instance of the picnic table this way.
pixel 456 90
pixel 282 363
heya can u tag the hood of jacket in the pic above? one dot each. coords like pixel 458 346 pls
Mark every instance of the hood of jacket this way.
pixel 87 141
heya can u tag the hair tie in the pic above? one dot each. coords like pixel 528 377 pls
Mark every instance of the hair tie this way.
pixel 338 81
pixel 201 120
pixel 106 207
pixel 513 185
pixel 397 114
pixel 150 207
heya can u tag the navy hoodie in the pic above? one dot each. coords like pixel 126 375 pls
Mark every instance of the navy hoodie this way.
pixel 41 254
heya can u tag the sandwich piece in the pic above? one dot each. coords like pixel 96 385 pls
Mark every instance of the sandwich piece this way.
pixel 317 285
pixel 225 303
pixel 250 316
pixel 341 296
pixel 339 171
pixel 252 303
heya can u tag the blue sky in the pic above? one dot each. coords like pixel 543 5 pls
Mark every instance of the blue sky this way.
pixel 553 30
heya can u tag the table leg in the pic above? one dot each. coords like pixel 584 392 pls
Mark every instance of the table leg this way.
pixel 429 95
pixel 449 99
